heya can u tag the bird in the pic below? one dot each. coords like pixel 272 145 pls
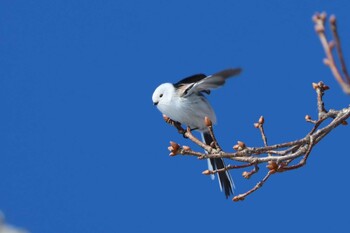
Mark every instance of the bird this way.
pixel 186 102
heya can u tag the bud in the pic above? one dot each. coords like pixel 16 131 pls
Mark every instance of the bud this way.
pixel 323 16
pixel 237 198
pixel 174 145
pixel 261 120
pixel 246 174
pixel 207 122
pixel 236 147
pixel 272 165
pixel 315 17
pixel 173 148
pixel 332 19
pixel 241 144
pixel 344 123
pixel 206 172
pixel 315 86
pixel 256 125
pixel 331 44
pixel 307 118
pixel 186 148
pixel 166 118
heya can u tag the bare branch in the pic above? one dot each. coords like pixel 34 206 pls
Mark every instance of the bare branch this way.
pixel 319 20
pixel 278 156
pixel 284 156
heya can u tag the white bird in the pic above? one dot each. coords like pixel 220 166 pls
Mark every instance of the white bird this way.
pixel 185 102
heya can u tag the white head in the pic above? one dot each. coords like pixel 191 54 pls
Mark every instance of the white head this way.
pixel 163 94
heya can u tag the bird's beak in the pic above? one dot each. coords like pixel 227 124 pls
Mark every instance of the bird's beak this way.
pixel 155 103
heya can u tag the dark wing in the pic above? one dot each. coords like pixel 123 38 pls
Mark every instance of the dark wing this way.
pixel 191 79
pixel 204 84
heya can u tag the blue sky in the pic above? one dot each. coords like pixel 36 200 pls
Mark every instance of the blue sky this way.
pixel 84 150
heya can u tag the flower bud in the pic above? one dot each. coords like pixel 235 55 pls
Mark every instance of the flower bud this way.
pixel 246 174
pixel 261 120
pixel 241 144
pixel 272 165
pixel 206 172
pixel 332 19
pixel 166 118
pixel 208 122
pixel 315 86
pixel 237 198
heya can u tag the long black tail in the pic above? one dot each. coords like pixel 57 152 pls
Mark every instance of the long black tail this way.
pixel 225 179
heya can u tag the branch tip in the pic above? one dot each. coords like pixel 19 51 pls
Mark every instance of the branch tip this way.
pixel 261 120
pixel 332 19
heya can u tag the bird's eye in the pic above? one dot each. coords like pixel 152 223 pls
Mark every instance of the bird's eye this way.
pixel 161 95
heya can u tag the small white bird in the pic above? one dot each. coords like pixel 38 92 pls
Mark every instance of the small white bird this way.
pixel 185 102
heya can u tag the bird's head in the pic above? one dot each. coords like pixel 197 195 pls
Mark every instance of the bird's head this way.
pixel 163 94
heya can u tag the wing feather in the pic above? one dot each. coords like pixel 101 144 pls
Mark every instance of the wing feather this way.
pixel 201 83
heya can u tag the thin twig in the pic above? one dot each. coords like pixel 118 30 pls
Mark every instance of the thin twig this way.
pixel 319 20
pixel 241 197
pixel 333 23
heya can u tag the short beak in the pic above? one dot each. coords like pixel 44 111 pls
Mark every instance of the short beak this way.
pixel 155 103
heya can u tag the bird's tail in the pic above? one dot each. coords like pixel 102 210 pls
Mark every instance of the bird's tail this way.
pixel 225 179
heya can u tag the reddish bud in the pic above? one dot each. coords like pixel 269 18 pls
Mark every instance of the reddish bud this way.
pixel 256 125
pixel 166 118
pixel 332 19
pixel 241 144
pixel 206 172
pixel 323 16
pixel 307 117
pixel 208 122
pixel 272 165
pixel 315 86
pixel 261 120
pixel 186 148
pixel 173 148
pixel 246 174
pixel 237 198
pixel 174 145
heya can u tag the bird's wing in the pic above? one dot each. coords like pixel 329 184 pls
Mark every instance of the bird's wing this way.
pixel 202 83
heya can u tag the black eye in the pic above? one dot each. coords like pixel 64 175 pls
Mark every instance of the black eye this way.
pixel 161 95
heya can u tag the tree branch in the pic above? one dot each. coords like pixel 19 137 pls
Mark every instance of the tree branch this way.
pixel 284 156
pixel 320 20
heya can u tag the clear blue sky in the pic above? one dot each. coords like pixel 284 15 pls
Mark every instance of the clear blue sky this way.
pixel 84 150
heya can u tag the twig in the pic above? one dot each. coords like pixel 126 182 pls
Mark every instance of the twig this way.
pixel 333 23
pixel 241 197
pixel 278 157
pixel 319 20
pixel 209 125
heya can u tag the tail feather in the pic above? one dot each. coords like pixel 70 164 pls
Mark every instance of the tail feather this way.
pixel 225 179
